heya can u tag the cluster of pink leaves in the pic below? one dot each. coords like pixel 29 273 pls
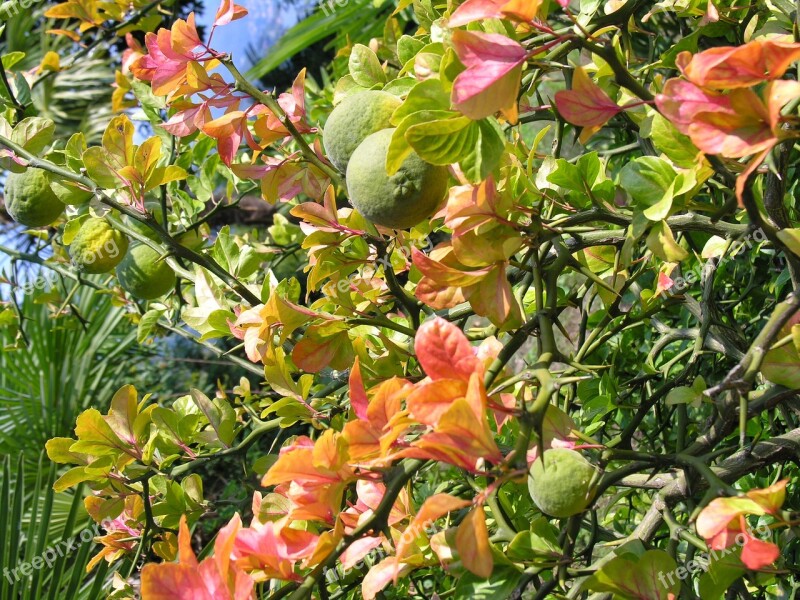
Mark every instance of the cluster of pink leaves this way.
pixel 717 103
pixel 178 65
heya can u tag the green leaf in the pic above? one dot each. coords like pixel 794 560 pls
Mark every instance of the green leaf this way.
pixel 95 436
pixel 724 567
pixel 428 95
pixel 225 251
pixel 118 141
pixel 407 48
pixel 662 243
pixel 58 451
pixel 585 177
pixel 650 182
pixel 791 239
pixel 72 478
pixel 34 134
pixel 443 141
pixel 399 147
pixel 169 427
pixel 683 395
pixel 502 582
pixel 99 170
pixel 475 145
pixel 486 155
pixel 365 68
pixel 76 146
pixel 540 542
pixel 123 412
pixel 147 323
pixel 22 90
pixel 666 138
pixel 400 86
pixel 644 577
pixel 12 58
pixel 216 416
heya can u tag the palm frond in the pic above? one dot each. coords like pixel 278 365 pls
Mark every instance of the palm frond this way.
pixel 67 365
pixel 43 553
pixel 357 21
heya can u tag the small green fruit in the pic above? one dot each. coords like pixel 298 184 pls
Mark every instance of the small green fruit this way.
pixel 353 119
pixel 561 486
pixel 29 199
pixel 98 247
pixel 143 275
pixel 398 201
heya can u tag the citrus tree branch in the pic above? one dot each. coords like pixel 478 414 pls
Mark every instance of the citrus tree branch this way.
pixel 172 245
pixel 271 103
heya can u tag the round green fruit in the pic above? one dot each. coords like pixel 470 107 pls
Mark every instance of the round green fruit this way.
pixel 398 201
pixel 97 247
pixel 353 119
pixel 29 199
pixel 143 275
pixel 561 486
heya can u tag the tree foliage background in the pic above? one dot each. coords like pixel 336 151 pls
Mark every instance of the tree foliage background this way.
pixel 321 407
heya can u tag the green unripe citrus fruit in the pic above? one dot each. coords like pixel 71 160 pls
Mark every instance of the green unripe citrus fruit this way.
pixel 29 199
pixel 97 247
pixel 561 486
pixel 143 275
pixel 353 119
pixel 398 201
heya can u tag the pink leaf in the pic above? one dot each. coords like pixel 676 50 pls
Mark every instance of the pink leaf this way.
pixel 681 100
pixel 491 81
pixel 586 104
pixel 476 10
pixel 227 12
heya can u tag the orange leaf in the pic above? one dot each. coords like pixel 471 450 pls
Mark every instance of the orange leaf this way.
pixel 186 555
pixel 358 395
pixel 757 554
pixel 462 438
pixel 434 507
pixel 170 581
pixel 740 66
pixel 745 131
pixel 717 516
pixel 444 274
pixel 184 37
pixel 770 498
pixel 444 352
pixel 472 542
pixel 493 298
pixel 429 401
pixel 381 574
